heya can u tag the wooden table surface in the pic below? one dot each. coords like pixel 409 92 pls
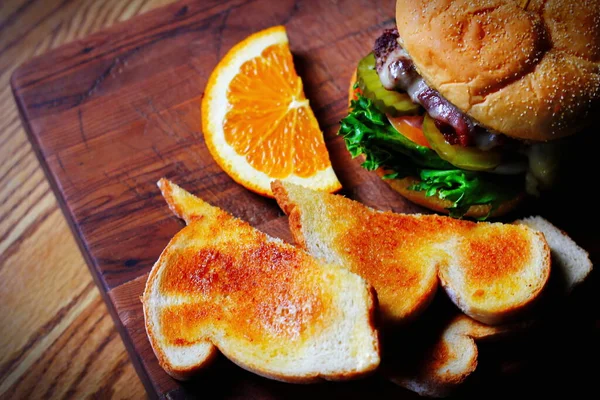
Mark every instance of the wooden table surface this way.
pixel 56 337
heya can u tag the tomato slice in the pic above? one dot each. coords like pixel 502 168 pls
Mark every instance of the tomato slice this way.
pixel 410 127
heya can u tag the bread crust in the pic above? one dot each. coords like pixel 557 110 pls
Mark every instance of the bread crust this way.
pixel 452 358
pixel 179 373
pixel 528 73
pixel 290 209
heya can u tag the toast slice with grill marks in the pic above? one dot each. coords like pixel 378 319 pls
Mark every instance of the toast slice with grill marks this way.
pixel 570 262
pixel 439 367
pixel 492 271
pixel 266 305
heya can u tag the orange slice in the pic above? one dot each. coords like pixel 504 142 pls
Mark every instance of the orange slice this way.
pixel 258 124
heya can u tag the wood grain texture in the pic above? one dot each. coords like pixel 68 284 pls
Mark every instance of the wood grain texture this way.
pixel 55 332
pixel 112 113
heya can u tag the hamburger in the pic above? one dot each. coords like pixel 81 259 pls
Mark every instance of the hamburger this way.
pixel 470 107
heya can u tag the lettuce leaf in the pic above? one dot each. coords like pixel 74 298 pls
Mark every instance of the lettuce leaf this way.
pixel 366 130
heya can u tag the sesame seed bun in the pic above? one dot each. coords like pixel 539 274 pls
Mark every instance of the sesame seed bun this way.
pixel 527 69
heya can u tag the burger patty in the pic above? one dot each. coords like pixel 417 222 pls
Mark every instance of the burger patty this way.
pixel 397 72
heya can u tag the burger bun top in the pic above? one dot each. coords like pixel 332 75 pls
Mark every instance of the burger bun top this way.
pixel 527 69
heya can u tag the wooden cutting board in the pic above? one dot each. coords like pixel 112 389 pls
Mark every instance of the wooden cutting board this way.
pixel 111 114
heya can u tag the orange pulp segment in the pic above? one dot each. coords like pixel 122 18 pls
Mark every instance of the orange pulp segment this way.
pixel 257 122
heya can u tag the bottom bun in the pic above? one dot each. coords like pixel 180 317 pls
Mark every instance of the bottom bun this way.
pixel 441 205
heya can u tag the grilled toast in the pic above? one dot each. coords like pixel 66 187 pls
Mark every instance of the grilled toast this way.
pixel 491 271
pixel 452 357
pixel 268 306
pixel 181 202
pixel 570 262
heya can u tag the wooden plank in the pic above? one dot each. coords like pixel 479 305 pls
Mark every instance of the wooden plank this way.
pixel 57 339
pixel 109 122
pixel 111 114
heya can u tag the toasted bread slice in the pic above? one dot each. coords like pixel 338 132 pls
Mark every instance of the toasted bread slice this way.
pixel 568 259
pixel 495 272
pixel 491 271
pixel 181 202
pixel 378 246
pixel 447 363
pixel 268 306
pixel 453 357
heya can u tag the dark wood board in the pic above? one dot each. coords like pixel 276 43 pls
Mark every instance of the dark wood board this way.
pixel 111 114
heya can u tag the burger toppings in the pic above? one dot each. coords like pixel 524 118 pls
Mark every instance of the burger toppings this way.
pixel 397 72
pixel 470 158
pixel 369 132
pixel 407 129
pixel 411 127
pixel 391 102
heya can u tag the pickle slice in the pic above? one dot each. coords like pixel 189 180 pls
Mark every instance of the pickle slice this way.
pixel 388 101
pixel 469 158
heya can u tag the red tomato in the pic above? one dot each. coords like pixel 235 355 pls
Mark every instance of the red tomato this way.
pixel 411 127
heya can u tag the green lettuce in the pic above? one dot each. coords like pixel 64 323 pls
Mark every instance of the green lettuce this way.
pixel 367 131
